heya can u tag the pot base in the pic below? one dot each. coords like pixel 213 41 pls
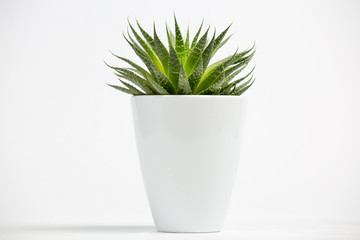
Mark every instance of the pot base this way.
pixel 190 232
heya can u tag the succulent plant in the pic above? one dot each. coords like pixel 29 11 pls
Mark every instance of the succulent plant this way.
pixel 183 67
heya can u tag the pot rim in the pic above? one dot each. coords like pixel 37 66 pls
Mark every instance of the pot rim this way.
pixel 188 96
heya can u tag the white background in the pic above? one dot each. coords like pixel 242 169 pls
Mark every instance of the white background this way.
pixel 67 148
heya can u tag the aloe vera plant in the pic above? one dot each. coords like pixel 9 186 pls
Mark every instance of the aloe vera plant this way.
pixel 184 67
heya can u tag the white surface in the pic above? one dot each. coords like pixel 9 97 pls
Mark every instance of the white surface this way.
pixel 287 231
pixel 189 157
pixel 67 148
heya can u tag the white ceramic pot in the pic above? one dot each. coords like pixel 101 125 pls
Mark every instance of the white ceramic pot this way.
pixel 189 149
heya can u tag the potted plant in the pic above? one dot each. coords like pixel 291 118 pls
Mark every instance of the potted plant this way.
pixel 188 117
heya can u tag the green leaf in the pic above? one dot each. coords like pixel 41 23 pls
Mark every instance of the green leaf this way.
pixel 184 86
pixel 134 78
pixel 243 57
pixel 162 52
pixel 235 68
pixel 132 88
pixel 195 76
pixel 158 88
pixel 161 79
pixel 207 54
pixel 242 88
pixel 141 70
pixel 230 77
pixel 179 42
pixel 170 36
pixel 195 54
pixel 241 61
pixel 187 47
pixel 213 77
pixel 213 66
pixel 221 36
pixel 215 87
pixel 220 45
pixel 194 41
pixel 147 37
pixel 142 55
pixel 148 50
pixel 225 89
pixel 174 67
pixel 125 90
pixel 164 81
